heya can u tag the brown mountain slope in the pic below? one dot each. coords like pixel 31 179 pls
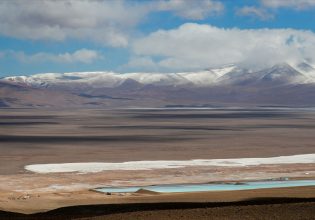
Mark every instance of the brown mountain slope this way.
pixel 15 95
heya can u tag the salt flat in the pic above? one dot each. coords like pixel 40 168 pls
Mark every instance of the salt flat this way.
pixel 165 164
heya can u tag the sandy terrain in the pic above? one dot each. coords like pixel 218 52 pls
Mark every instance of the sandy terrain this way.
pixel 44 201
pixel 40 137
pixel 37 136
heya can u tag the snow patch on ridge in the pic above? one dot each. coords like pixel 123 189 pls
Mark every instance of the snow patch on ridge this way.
pixel 296 74
pixel 92 167
pixel 224 70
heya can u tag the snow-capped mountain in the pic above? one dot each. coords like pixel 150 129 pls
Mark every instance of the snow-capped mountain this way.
pixel 231 74
pixel 276 75
pixel 307 70
pixel 111 79
pixel 230 83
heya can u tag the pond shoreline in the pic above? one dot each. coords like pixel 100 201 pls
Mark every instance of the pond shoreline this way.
pixel 176 188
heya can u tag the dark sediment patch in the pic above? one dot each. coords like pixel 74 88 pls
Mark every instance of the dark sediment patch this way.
pixel 203 128
pixel 236 115
pixel 205 109
pixel 3 104
pixel 206 128
pixel 25 117
pixel 273 126
pixel 103 97
pixel 120 138
pixel 17 123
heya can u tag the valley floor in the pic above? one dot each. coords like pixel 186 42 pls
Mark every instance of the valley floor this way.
pixel 30 136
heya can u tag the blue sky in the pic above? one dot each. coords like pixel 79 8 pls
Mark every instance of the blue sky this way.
pixel 166 35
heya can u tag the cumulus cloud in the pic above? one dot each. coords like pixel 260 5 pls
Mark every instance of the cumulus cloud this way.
pixel 267 8
pixel 80 56
pixel 141 63
pixel 106 22
pixel 254 12
pixel 195 46
pixel 196 10
pixel 295 4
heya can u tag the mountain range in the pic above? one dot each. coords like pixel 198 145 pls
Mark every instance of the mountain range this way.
pixel 229 85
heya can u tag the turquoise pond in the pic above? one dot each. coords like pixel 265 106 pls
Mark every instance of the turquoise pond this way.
pixel 209 187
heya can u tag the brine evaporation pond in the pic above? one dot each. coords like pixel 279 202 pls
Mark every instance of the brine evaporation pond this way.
pixel 209 187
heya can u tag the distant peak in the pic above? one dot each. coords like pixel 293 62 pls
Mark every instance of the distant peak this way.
pixel 282 65
pixel 229 65
pixel 305 67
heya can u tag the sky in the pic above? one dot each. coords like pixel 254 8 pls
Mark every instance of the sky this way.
pixel 40 36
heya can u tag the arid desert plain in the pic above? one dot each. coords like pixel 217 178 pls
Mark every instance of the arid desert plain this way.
pixel 57 158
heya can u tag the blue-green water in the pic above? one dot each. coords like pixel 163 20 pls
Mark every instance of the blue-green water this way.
pixel 210 187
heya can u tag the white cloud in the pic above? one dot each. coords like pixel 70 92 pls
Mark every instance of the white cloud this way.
pixel 106 22
pixel 295 4
pixel 191 9
pixel 254 12
pixel 141 63
pixel 195 46
pixel 80 56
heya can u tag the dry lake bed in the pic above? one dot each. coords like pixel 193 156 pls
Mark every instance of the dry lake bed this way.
pixel 57 158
